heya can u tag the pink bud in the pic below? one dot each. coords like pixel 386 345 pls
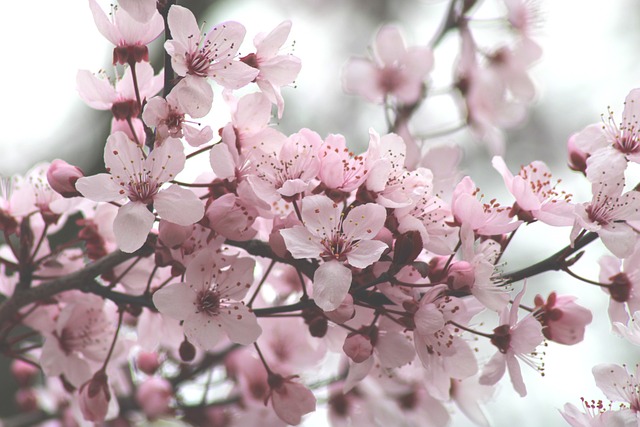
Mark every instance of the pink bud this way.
pixel 154 396
pixel 358 347
pixel 148 362
pixel 577 157
pixel 62 178
pixel 26 400
pixel 94 397
pixel 562 319
pixel 461 275
pixel 23 372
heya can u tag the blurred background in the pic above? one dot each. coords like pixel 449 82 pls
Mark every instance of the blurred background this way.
pixel 589 63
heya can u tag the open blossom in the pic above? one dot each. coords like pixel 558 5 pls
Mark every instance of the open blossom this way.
pixel 609 145
pixel 619 385
pixel 139 179
pixel 395 72
pixel 275 70
pixel 209 300
pixel 168 114
pixel 129 37
pixel 208 55
pixel 536 197
pixel 514 339
pixel 607 214
pixel 338 240
pixel 341 172
pixel 623 280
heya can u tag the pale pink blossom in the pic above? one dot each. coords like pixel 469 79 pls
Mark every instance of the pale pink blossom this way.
pixel 209 300
pixel 618 385
pixel 80 339
pixel 396 71
pixel 486 219
pixel 276 70
pixel 140 10
pixel 140 178
pixel 609 145
pixel 562 319
pixel 341 172
pixel 536 196
pixel 338 240
pixel 288 172
pixel 623 280
pixel 607 214
pixel 207 55
pixel 128 35
pixel 290 400
pixel 168 114
pixel 630 331
pixel 510 65
pixel 515 339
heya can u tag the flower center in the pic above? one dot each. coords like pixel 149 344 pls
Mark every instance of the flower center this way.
pixel 208 302
pixel 142 189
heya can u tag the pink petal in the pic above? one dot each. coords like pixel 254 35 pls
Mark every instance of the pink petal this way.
pixel 253 113
pixel 96 92
pixel 202 270
pixel 360 77
pixel 494 369
pixel 269 44
pixel 193 95
pixel 233 74
pixel 132 225
pixel 281 70
pixel 122 157
pixel 140 10
pixel 331 283
pixel 364 221
pixel 301 243
pixel 183 25
pixel 106 28
pixel 516 375
pixel 613 381
pixel 390 45
pixel 320 215
pixel 203 330
pixel 100 188
pixel 394 350
pixel 222 162
pixel 240 324
pixel 234 282
pixel 166 161
pixel 179 205
pixel 366 252
pixel 176 300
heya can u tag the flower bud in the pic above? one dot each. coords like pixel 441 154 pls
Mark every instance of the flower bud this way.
pixel 461 275
pixel 577 157
pixel 23 372
pixel 148 362
pixel 26 399
pixel 94 397
pixel 62 178
pixel 187 351
pixel 154 396
pixel 407 247
pixel 358 347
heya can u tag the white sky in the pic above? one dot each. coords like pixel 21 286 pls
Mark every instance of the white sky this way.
pixel 586 66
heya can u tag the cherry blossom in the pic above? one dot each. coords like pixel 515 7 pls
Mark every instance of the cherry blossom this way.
pixel 622 277
pixel 620 386
pixel 140 179
pixel 209 300
pixel 208 55
pixel 337 239
pixel 290 400
pixel 276 70
pixel 536 197
pixel 514 339
pixel 129 37
pixel 607 214
pixel 396 71
pixel 562 319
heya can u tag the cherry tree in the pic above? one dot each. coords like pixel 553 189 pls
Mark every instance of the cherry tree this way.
pixel 287 272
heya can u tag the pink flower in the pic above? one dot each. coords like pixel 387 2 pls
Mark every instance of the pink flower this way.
pixel 341 172
pixel 168 114
pixel 619 385
pixel 623 277
pixel 139 177
pixel 288 172
pixel 209 55
pixel 128 35
pixel 607 214
pixel 514 339
pixel 290 400
pixel 562 320
pixel 535 195
pixel 275 70
pixel 486 219
pixel 609 145
pixel 396 71
pixel 208 300
pixel 329 235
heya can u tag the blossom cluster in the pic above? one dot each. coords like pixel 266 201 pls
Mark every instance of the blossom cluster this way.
pixel 291 267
